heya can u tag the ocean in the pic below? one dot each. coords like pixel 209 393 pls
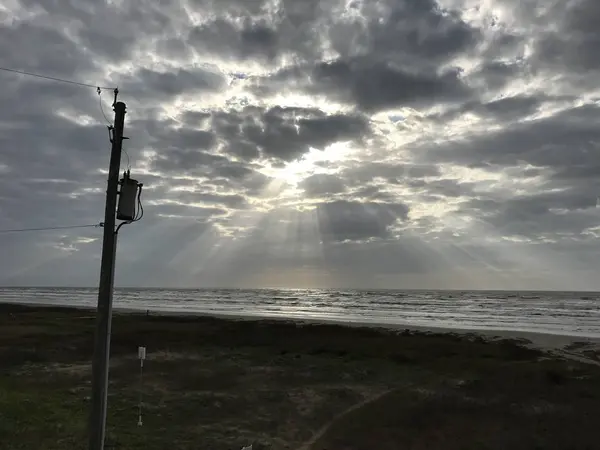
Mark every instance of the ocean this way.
pixel 568 313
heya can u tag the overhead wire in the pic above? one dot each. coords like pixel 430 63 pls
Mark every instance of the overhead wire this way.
pixel 20 230
pixel 76 83
pixel 140 209
pixel 61 80
pixel 109 123
pixel 128 159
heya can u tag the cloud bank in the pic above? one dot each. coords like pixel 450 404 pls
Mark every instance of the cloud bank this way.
pixel 362 144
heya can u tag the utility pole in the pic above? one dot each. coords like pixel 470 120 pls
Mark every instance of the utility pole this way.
pixel 105 292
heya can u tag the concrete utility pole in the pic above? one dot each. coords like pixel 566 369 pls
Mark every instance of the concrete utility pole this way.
pixel 105 292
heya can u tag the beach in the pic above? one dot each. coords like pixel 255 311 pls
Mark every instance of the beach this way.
pixel 223 383
pixel 553 313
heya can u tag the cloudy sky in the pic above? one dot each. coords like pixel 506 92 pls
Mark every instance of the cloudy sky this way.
pixel 332 143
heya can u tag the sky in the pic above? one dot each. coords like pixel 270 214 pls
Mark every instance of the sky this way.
pixel 410 144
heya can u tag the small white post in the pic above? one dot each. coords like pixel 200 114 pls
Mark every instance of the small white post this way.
pixel 141 357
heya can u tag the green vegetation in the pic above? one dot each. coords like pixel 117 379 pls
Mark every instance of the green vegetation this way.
pixel 221 384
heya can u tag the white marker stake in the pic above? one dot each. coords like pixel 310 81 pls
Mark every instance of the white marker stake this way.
pixel 141 357
pixel 142 354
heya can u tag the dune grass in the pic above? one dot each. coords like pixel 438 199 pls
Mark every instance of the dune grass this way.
pixel 221 384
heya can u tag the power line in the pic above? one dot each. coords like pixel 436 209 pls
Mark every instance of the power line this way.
pixel 128 159
pixel 77 83
pixel 19 230
pixel 102 109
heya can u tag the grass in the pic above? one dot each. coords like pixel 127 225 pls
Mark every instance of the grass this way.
pixel 222 384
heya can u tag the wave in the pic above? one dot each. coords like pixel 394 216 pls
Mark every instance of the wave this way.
pixel 545 312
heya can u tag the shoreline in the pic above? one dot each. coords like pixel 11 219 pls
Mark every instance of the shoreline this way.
pixel 541 340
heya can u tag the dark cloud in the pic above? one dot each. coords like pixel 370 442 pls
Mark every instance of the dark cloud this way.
pixel 536 216
pixel 194 119
pixel 392 173
pixel 496 74
pixel 226 39
pixel 238 177
pixel 571 41
pixel 395 56
pixel 212 171
pixel 509 107
pixel 406 31
pixel 559 150
pixel 59 56
pixel 284 133
pixel 172 83
pixel 111 32
pixel 236 33
pixel 329 222
pixel 561 142
pixel 355 221
pixel 502 110
pixel 322 185
pixel 373 84
pixel 374 193
pixel 378 85
pixel 233 7
pixel 186 162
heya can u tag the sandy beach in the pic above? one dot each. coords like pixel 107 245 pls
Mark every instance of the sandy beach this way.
pixel 223 383
pixel 538 340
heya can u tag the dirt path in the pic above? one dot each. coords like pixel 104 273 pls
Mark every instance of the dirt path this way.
pixel 308 444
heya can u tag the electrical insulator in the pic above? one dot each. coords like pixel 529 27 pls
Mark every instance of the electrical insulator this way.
pixel 127 198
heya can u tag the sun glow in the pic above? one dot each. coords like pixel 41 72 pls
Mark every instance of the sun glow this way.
pixel 314 161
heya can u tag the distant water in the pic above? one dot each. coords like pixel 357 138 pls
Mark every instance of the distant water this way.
pixel 557 312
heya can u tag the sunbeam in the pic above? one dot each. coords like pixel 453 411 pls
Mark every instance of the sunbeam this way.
pixel 328 160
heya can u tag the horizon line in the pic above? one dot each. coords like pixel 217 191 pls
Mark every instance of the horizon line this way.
pixel 266 288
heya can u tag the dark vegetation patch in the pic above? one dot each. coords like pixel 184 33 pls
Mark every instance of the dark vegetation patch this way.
pixel 221 384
